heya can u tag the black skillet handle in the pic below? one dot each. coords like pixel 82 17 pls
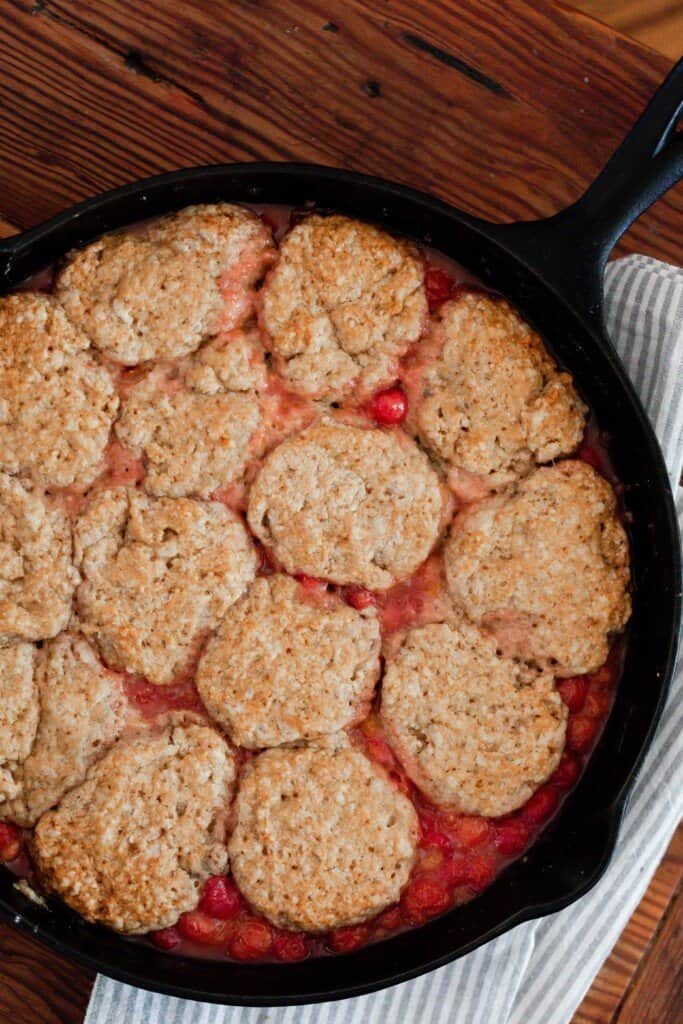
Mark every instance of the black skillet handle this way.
pixel 570 250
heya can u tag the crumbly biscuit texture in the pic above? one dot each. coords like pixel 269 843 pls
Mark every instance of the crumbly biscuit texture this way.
pixel 234 361
pixel 342 305
pixel 282 668
pixel 545 568
pixel 37 578
pixel 82 711
pixel 56 403
pixel 161 291
pixel 473 730
pixel 191 443
pixel 157 575
pixel 19 711
pixel 132 845
pixel 322 838
pixel 347 504
pixel 492 403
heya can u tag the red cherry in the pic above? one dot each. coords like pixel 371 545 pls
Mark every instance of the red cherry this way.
pixel 472 831
pixel 11 841
pixel 602 677
pixel 566 773
pixel 438 286
pixel 597 705
pixel 457 870
pixel 512 836
pixel 252 941
pixel 425 897
pixel 166 938
pixel 199 927
pixel 590 455
pixel 345 940
pixel 311 584
pixel 389 407
pixel 581 731
pixel 290 947
pixel 432 835
pixel 389 919
pixel 481 871
pixel 541 805
pixel 220 898
pixel 573 692
pixel 359 598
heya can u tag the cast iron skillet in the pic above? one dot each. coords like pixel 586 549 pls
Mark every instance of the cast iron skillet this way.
pixel 552 270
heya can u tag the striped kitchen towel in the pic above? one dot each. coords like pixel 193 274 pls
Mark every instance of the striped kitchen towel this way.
pixel 539 972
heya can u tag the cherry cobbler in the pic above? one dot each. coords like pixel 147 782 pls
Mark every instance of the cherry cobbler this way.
pixel 312 583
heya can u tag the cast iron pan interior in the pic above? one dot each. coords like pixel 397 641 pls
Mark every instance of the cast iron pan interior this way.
pixel 552 270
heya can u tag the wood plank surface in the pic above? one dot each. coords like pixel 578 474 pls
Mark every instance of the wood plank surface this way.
pixel 7 228
pixel 39 987
pixel 643 941
pixel 656 23
pixel 657 995
pixel 509 116
pixel 507 108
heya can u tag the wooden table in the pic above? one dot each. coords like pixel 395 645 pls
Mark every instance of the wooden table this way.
pixel 506 108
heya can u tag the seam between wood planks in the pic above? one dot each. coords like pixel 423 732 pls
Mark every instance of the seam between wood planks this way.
pixel 645 955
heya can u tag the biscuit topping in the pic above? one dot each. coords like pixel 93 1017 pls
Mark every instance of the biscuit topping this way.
pixel 342 305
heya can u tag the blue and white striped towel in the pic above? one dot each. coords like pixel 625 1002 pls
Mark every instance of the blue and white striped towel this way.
pixel 539 972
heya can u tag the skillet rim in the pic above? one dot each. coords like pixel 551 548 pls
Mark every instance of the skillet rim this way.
pixel 23 249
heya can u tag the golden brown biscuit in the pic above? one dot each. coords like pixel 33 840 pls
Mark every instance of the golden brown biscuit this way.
pixel 132 845
pixel 322 838
pixel 56 403
pixel 19 712
pixel 545 568
pixel 157 575
pixel 282 668
pixel 473 730
pixel 37 578
pixel 81 710
pixel 191 443
pixel 160 291
pixel 342 305
pixel 348 504
pixel 492 403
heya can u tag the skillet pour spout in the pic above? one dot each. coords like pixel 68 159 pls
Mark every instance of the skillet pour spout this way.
pixel 552 271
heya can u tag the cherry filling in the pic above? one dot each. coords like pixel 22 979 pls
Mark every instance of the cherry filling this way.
pixel 438 286
pixel 458 855
pixel 151 700
pixel 389 408
pixel 290 946
pixel 573 692
pixel 11 842
pixel 167 939
pixel 512 836
pixel 221 898
pixel 359 598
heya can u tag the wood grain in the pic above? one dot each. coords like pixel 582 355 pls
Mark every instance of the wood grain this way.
pixel 127 89
pixel 641 941
pixel 39 987
pixel 508 109
pixel 7 228
pixel 657 995
pixel 656 23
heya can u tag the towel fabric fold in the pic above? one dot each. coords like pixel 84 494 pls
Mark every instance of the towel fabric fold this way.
pixel 539 972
